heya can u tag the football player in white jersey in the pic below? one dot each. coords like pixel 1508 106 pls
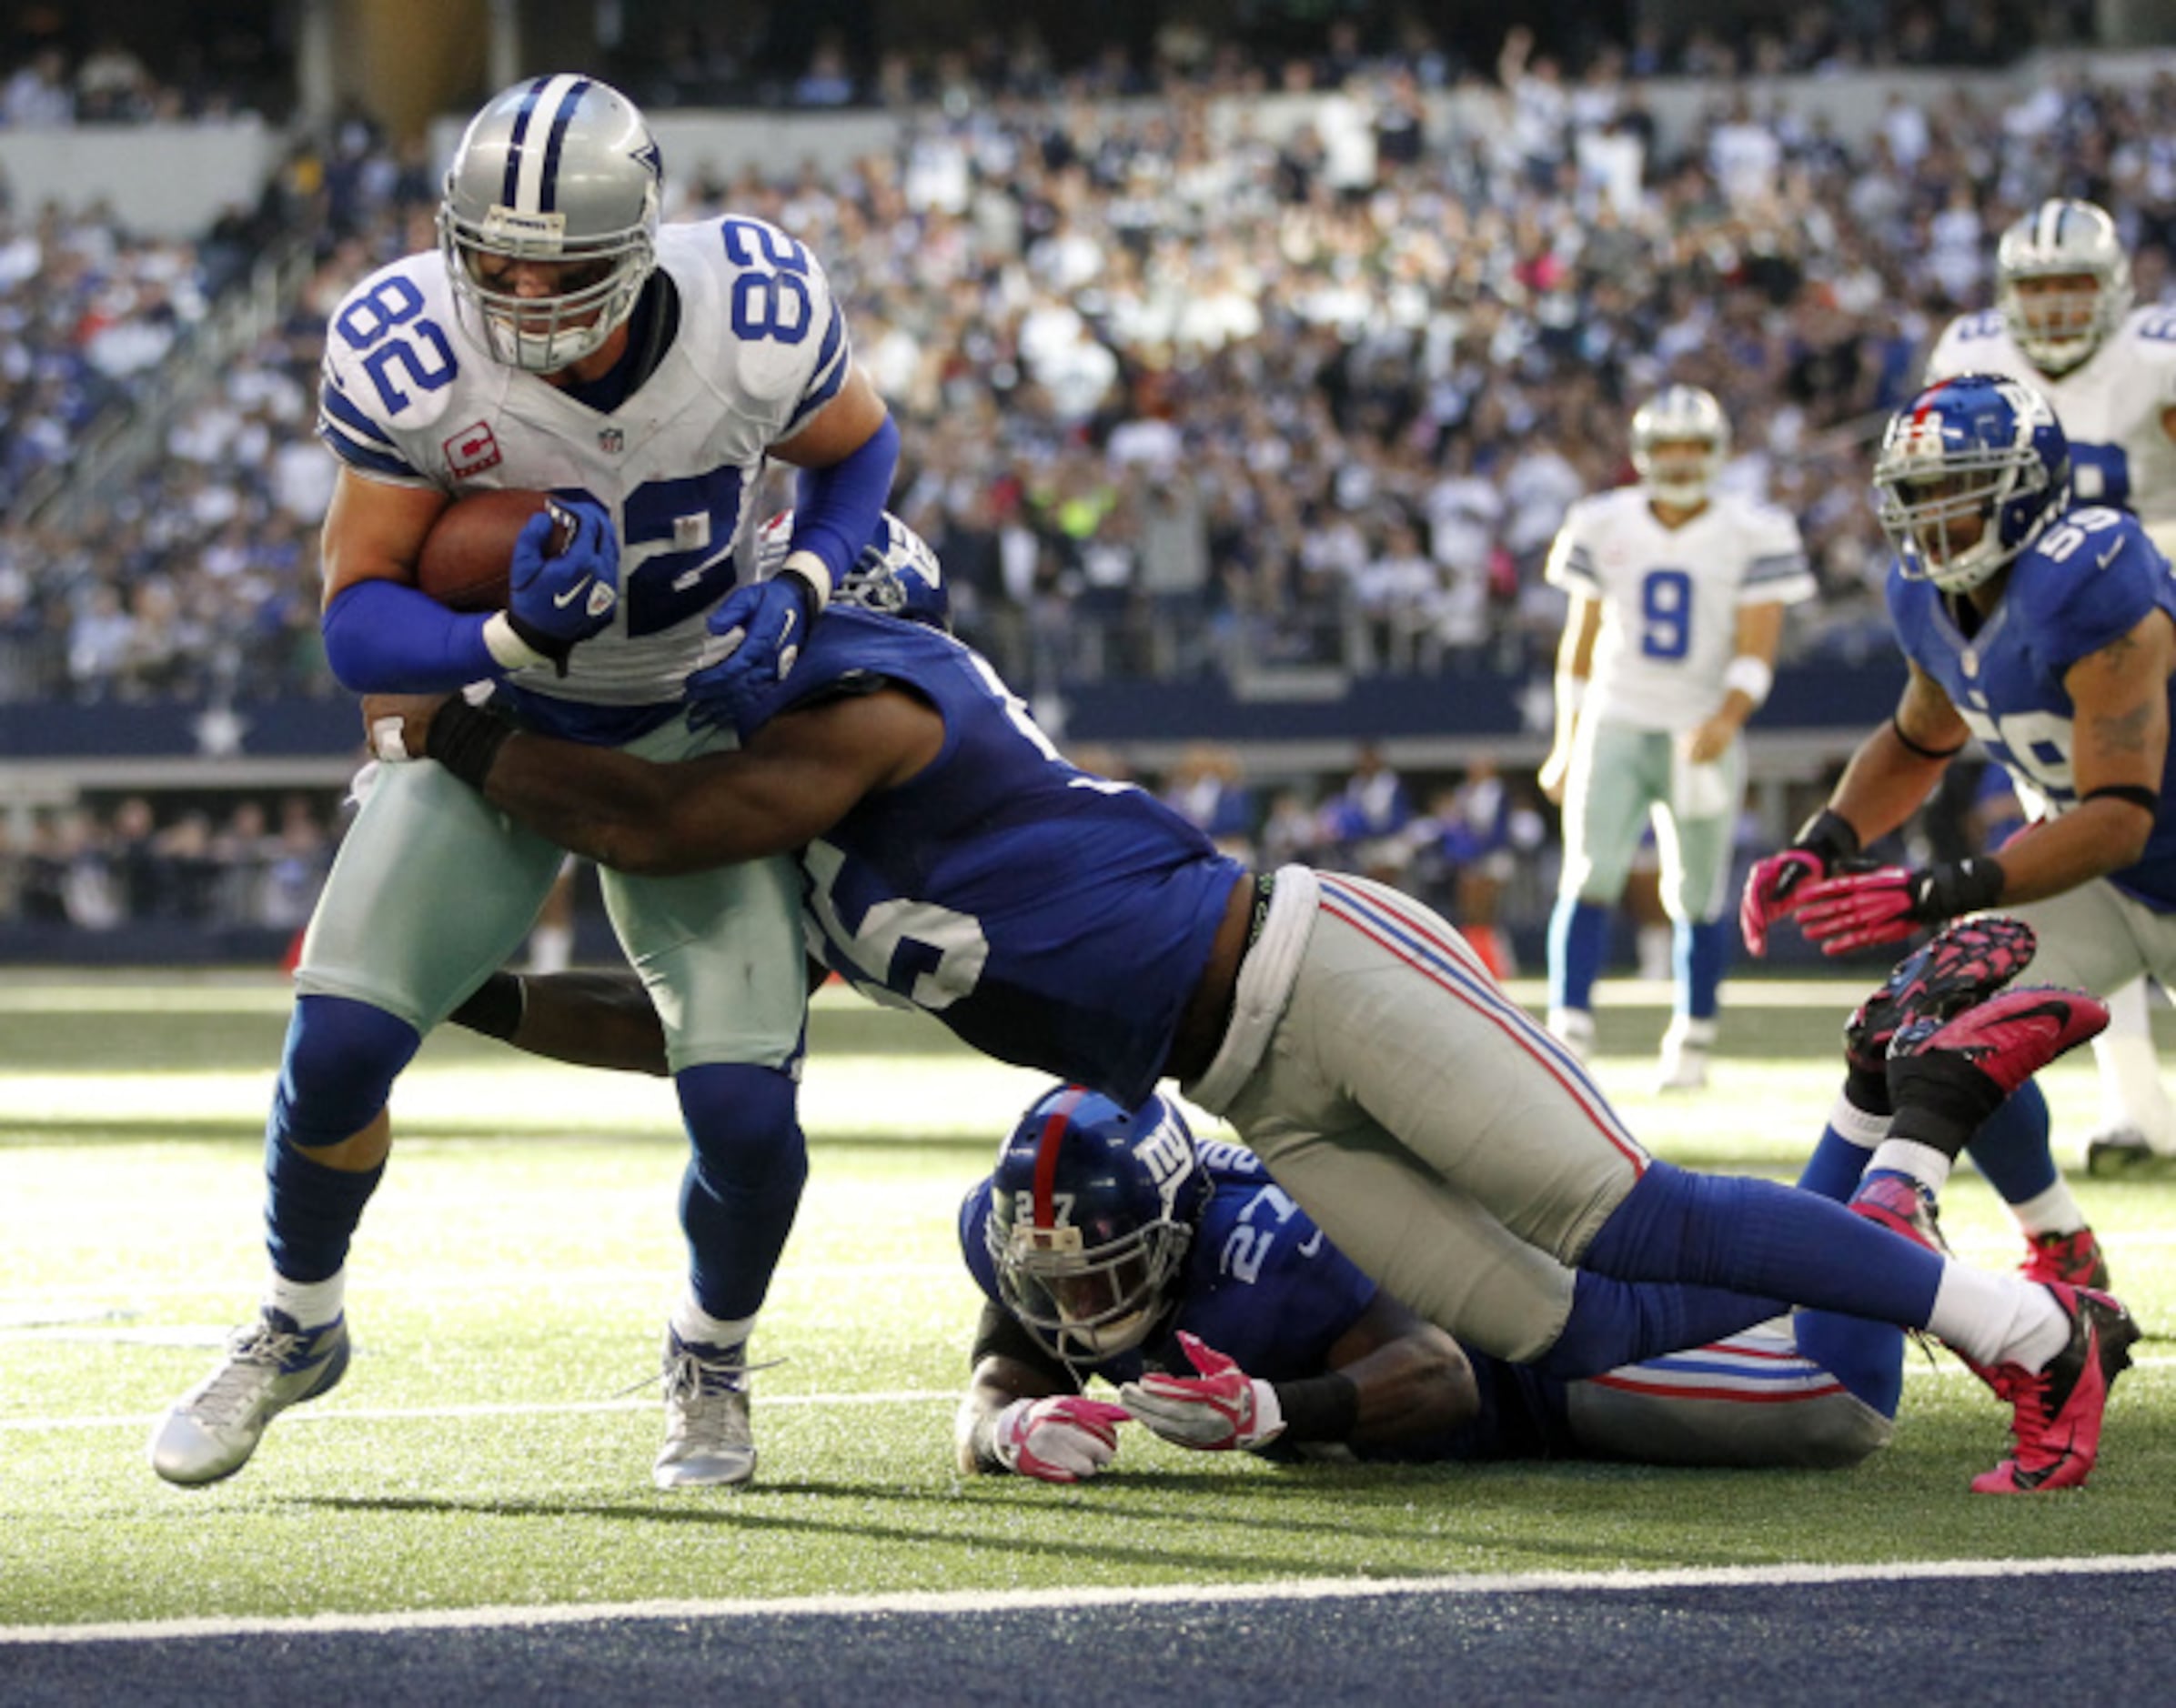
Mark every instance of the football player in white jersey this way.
pixel 2063 323
pixel 1676 609
pixel 559 338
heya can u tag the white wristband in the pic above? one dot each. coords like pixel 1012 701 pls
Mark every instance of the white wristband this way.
pixel 1751 677
pixel 813 570
pixel 503 643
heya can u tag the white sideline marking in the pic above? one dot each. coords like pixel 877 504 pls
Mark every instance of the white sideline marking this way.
pixel 1915 1369
pixel 1009 1601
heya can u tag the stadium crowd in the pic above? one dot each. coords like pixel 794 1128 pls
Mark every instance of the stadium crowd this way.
pixel 1174 395
pixel 1179 390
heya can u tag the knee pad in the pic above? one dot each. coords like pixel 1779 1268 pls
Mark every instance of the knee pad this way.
pixel 742 1122
pixel 338 1068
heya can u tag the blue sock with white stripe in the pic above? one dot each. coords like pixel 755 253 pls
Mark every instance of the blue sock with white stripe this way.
pixel 1579 942
pixel 1757 1237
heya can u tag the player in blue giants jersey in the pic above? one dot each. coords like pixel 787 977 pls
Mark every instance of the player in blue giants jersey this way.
pixel 1116 1245
pixel 1447 1143
pixel 2063 323
pixel 560 338
pixel 2044 629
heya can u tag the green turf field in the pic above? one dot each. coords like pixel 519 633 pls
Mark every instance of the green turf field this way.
pixel 512 1276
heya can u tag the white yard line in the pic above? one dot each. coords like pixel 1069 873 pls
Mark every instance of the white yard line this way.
pixel 979 1601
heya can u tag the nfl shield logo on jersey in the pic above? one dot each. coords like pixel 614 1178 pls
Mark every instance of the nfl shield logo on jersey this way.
pixel 611 440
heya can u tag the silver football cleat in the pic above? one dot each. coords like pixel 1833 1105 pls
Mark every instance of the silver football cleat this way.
pixel 709 1441
pixel 271 1365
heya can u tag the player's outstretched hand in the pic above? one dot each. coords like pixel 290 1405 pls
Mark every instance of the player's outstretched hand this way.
pixel 1064 1439
pixel 1221 1409
pixel 759 631
pixel 1857 909
pixel 559 600
pixel 1777 885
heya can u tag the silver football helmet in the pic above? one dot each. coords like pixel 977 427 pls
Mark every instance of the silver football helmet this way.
pixel 2062 240
pixel 1676 415
pixel 559 169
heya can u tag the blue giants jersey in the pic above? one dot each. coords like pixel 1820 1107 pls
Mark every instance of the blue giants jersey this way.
pixel 2089 579
pixel 1050 917
pixel 1264 1285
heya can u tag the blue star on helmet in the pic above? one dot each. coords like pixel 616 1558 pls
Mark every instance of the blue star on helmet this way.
pixel 649 156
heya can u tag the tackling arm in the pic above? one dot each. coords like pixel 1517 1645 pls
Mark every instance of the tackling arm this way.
pixel 594 1020
pixel 798 776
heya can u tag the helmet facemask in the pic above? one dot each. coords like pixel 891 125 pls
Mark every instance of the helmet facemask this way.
pixel 1086 1303
pixel 2075 244
pixel 1923 497
pixel 1682 416
pixel 542 334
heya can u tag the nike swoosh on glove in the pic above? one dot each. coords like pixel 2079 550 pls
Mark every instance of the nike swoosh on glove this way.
pixel 1221 1409
pixel 1064 1439
pixel 1777 885
pixel 1772 893
pixel 1862 909
pixel 555 603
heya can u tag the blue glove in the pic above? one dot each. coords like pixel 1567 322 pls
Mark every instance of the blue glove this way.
pixel 561 599
pixel 759 630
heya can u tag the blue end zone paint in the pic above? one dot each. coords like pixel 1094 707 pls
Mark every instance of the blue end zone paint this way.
pixel 2022 1636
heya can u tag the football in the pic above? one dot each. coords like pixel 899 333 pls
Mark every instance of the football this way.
pixel 467 552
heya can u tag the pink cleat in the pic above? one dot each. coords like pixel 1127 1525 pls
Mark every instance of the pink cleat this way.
pixel 2056 1413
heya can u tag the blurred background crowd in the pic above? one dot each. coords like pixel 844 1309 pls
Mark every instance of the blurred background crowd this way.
pixel 1186 386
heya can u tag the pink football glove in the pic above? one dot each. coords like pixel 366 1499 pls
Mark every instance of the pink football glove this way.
pixel 1859 909
pixel 1777 885
pixel 1772 892
pixel 1062 1439
pixel 1221 1409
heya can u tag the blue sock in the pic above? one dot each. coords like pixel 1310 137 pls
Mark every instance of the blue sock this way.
pixel 1866 1357
pixel 1579 942
pixel 2011 1146
pixel 1699 953
pixel 338 1068
pixel 1617 1322
pixel 743 1181
pixel 311 1211
pixel 1833 1169
pixel 1755 1237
